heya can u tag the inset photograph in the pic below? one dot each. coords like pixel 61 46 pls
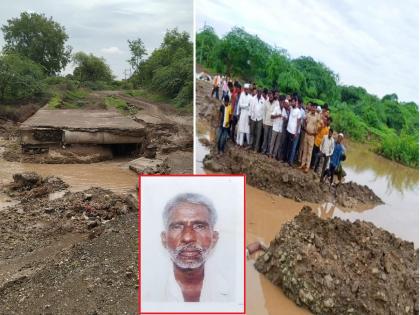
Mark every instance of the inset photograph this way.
pixel 192 251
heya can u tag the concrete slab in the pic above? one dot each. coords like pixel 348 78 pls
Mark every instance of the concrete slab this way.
pixel 146 166
pixel 73 119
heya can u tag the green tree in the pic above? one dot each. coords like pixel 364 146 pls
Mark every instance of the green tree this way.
pixel 38 38
pixel 206 42
pixel 91 68
pixel 20 77
pixel 138 51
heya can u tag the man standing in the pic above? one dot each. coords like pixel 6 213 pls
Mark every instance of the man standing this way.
pixel 216 84
pixel 256 115
pixel 268 122
pixel 278 116
pixel 336 158
pixel 189 237
pixel 311 129
pixel 243 123
pixel 325 151
pixel 293 126
pixel 326 121
pixel 225 113
pixel 235 109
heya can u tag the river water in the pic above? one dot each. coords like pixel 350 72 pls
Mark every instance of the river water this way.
pixel 396 185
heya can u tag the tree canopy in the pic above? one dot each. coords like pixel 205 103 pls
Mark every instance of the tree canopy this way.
pixel 90 68
pixel 169 69
pixel 38 38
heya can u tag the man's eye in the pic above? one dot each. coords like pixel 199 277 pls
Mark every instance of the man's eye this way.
pixel 176 227
pixel 200 226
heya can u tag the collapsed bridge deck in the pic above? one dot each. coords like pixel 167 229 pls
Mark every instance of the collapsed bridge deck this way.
pixel 80 127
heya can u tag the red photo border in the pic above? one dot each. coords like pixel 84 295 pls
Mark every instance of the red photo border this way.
pixel 139 239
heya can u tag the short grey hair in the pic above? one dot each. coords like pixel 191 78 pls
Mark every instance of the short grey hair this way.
pixel 189 198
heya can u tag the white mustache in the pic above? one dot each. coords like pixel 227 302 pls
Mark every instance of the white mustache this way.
pixel 188 247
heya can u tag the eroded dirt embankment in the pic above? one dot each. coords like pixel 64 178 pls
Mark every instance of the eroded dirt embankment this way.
pixel 281 179
pixel 76 254
pixel 338 267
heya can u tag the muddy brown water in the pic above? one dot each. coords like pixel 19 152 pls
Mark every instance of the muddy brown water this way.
pixel 396 185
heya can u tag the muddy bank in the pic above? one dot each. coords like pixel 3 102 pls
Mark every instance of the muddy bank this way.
pixel 337 267
pixel 281 179
pixel 75 254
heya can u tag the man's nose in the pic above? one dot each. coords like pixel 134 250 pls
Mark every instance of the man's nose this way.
pixel 188 235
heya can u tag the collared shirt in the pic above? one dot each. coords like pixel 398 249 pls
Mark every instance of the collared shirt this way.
pixel 268 109
pixel 320 135
pixel 312 123
pixel 243 103
pixel 278 122
pixel 226 112
pixel 337 153
pixel 294 116
pixel 256 110
pixel 302 117
pixel 327 145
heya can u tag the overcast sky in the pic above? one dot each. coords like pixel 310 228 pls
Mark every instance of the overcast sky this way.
pixel 102 27
pixel 373 44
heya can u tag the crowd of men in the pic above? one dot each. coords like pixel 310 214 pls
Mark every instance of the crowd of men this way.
pixel 279 126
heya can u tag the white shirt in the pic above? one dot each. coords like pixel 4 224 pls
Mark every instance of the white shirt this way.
pixel 295 114
pixel 302 117
pixel 268 109
pixel 256 110
pixel 278 122
pixel 327 145
pixel 215 287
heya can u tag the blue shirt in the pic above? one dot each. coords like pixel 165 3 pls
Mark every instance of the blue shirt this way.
pixel 337 153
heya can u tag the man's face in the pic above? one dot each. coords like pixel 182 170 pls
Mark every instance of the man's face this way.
pixel 189 236
pixel 270 97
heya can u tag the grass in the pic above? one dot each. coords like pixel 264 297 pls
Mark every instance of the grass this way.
pixel 68 100
pixel 112 101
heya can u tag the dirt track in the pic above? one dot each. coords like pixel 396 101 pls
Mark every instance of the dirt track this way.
pixel 338 267
pixel 76 254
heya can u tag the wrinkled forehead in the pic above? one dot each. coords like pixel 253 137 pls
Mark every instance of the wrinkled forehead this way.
pixel 187 212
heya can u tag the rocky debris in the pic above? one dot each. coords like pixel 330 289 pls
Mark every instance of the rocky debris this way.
pixel 338 267
pixel 29 223
pixel 149 166
pixel 93 276
pixel 28 185
pixel 281 179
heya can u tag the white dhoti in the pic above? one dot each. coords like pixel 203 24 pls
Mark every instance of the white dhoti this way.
pixel 243 127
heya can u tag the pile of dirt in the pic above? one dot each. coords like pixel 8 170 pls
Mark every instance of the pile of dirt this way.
pixel 338 267
pixel 76 254
pixel 207 108
pixel 29 185
pixel 281 179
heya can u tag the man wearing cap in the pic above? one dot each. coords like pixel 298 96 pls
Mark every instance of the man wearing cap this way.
pixel 336 158
pixel 243 123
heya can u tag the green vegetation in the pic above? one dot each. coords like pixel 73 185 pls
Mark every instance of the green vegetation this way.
pixel 121 105
pixel 68 100
pixel 389 125
pixel 90 68
pixel 168 69
pixel 40 39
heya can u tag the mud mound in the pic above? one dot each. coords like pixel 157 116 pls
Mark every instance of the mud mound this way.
pixel 207 108
pixel 338 267
pixel 26 186
pixel 26 225
pixel 97 276
pixel 279 178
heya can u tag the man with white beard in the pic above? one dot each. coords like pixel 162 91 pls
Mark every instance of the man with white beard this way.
pixel 243 123
pixel 190 238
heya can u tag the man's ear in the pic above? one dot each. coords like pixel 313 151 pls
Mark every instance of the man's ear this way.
pixel 215 238
pixel 163 239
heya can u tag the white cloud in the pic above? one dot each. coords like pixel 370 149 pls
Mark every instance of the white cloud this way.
pixel 112 51
pixel 373 43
